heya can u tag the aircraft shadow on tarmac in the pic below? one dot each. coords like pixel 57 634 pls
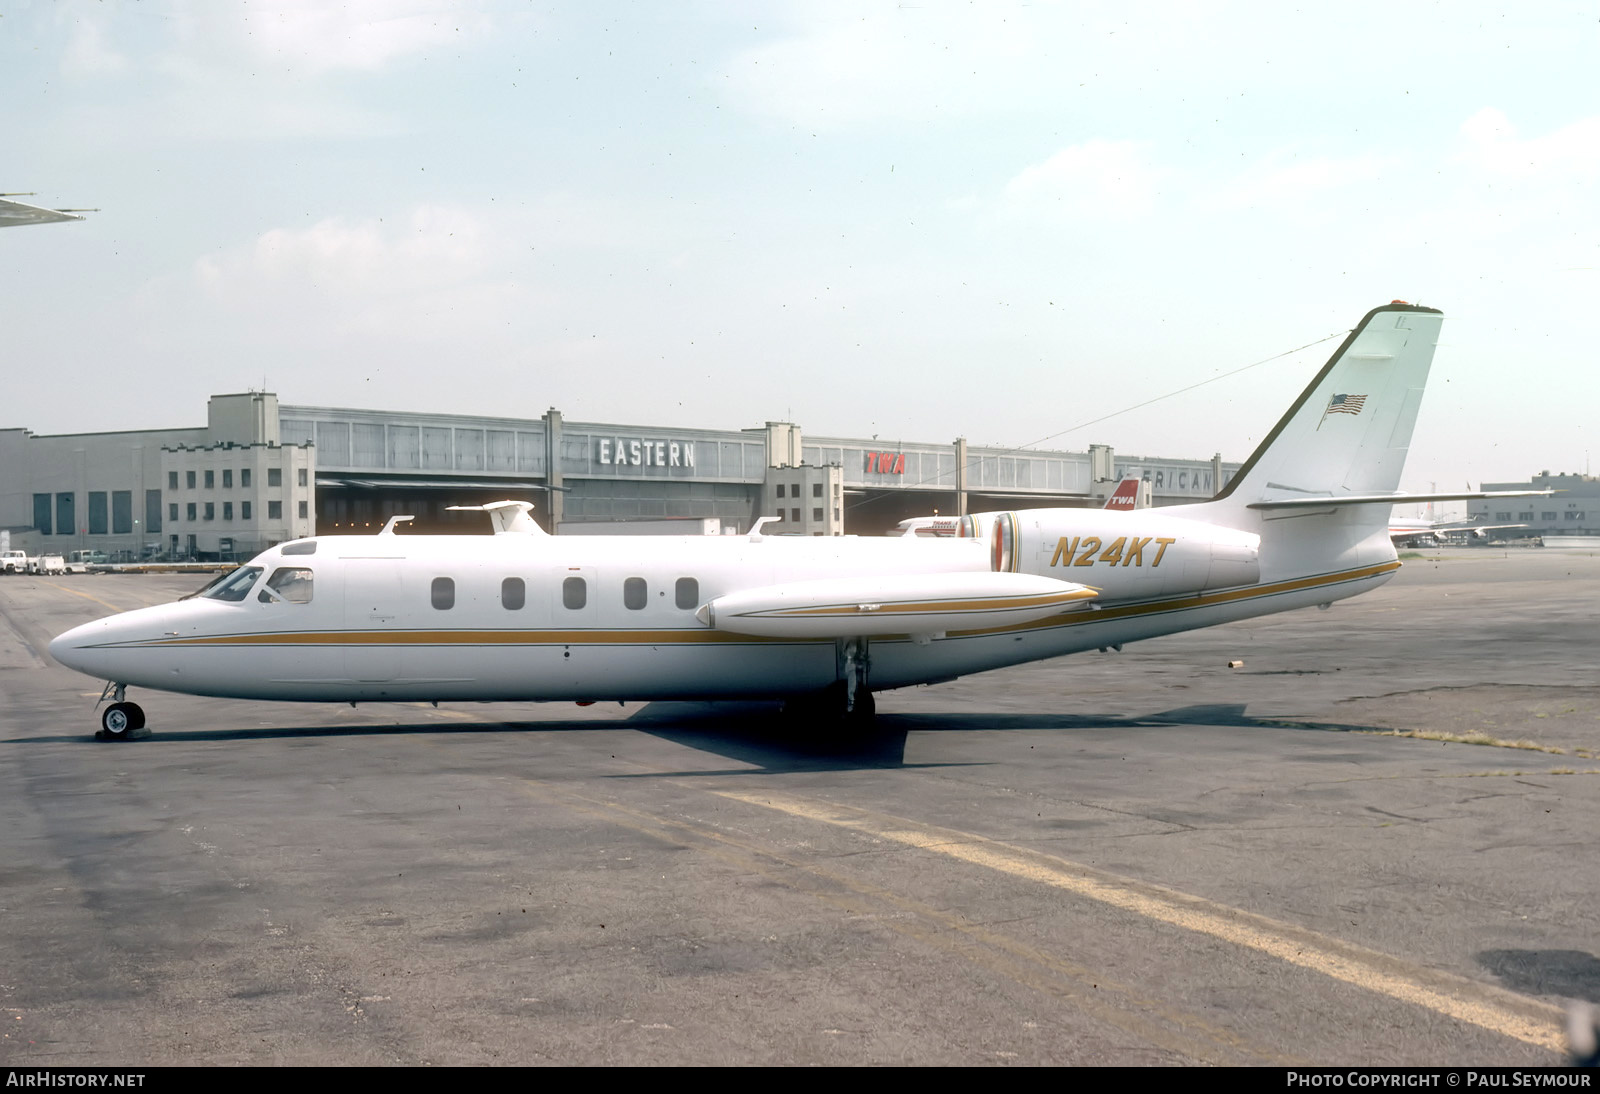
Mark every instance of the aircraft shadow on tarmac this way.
pixel 1573 974
pixel 757 734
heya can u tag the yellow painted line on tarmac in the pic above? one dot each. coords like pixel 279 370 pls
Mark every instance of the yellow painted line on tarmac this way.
pixel 1092 992
pixel 1507 1013
pixel 86 596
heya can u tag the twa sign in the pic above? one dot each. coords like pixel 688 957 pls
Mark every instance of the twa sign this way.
pixel 886 463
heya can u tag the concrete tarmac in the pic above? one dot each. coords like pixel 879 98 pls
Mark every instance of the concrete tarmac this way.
pixel 1142 857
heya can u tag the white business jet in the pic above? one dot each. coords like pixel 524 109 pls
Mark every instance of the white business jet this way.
pixel 819 622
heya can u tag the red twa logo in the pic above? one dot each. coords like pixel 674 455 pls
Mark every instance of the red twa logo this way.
pixel 886 463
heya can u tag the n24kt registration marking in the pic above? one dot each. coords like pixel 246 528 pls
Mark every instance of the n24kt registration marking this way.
pixel 1128 550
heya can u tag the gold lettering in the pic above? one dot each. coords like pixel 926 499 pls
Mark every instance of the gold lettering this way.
pixel 1063 549
pixel 1113 553
pixel 1091 544
pixel 1165 543
pixel 1135 555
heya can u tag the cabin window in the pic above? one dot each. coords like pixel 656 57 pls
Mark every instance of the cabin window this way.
pixel 443 593
pixel 513 594
pixel 574 593
pixel 635 594
pixel 232 587
pixel 291 583
pixel 686 593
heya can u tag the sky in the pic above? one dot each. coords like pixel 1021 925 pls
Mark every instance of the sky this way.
pixel 909 220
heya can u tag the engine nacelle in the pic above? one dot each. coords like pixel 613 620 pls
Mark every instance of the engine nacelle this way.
pixel 1125 555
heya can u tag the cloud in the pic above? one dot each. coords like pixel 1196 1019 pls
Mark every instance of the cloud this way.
pixel 193 69
pixel 1282 179
pixel 1090 181
pixel 436 273
pixel 839 68
pixel 89 52
pixel 362 35
pixel 431 247
pixel 1570 153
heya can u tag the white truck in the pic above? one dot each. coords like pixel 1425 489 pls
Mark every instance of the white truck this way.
pixel 15 562
pixel 48 564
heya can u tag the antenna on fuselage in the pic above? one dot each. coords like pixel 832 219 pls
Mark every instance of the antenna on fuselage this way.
pixel 388 529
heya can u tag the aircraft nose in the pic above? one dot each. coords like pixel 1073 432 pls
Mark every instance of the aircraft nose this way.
pixel 68 647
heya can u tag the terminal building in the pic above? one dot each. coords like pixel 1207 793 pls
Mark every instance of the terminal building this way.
pixel 260 472
pixel 1573 510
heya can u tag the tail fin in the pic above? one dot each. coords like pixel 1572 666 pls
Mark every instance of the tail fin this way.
pixel 1126 495
pixel 1348 432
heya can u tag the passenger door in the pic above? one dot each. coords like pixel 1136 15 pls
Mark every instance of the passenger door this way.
pixel 373 609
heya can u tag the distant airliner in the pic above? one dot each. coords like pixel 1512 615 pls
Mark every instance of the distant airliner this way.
pixel 1419 531
pixel 1124 497
pixel 819 622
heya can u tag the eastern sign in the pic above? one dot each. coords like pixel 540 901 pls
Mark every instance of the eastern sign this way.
pixel 640 452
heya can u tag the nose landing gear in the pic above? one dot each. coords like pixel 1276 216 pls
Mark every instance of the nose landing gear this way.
pixel 121 719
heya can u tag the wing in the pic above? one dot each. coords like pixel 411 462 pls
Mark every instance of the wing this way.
pixel 892 604
pixel 15 213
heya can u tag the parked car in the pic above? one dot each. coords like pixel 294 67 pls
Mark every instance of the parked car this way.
pixel 78 562
pixel 14 562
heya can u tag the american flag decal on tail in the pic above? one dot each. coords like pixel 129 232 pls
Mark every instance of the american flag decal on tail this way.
pixel 1343 404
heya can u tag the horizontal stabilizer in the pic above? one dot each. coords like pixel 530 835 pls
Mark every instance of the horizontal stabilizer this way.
pixel 848 607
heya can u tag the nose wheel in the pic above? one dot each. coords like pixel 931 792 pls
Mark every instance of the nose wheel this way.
pixel 121 719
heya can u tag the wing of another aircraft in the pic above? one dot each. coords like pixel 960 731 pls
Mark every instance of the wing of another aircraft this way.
pixel 16 213
pixel 508 516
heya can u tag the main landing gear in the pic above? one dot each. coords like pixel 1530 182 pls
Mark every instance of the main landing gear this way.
pixel 846 703
pixel 121 719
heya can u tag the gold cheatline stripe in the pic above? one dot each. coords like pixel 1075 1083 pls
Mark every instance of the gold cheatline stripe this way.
pixel 687 637
pixel 1495 1009
pixel 1191 600
pixel 475 638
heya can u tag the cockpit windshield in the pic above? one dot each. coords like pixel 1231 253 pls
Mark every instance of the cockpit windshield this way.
pixel 232 587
